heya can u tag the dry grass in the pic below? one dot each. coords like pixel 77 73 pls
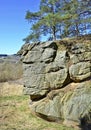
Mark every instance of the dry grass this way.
pixel 10 71
pixel 81 39
pixel 15 113
pixel 10 88
pixel 66 43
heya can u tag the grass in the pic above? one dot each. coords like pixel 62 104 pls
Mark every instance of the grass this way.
pixel 66 43
pixel 10 88
pixel 15 114
pixel 10 71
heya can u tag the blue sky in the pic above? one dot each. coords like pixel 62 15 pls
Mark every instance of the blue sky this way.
pixel 13 26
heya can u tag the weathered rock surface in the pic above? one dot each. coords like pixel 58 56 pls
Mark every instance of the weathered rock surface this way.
pixel 71 103
pixel 57 76
pixel 81 62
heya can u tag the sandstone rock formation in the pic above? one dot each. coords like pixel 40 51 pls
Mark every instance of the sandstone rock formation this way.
pixel 57 76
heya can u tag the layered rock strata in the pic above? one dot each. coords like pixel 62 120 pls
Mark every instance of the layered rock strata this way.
pixel 57 76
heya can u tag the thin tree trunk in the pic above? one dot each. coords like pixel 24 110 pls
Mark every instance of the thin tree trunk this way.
pixel 54 32
pixel 77 29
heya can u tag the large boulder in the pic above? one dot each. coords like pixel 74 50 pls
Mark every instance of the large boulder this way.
pixel 57 76
pixel 43 71
pixel 78 106
pixel 71 104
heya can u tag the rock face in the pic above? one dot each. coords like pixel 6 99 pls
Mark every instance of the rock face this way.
pixel 57 76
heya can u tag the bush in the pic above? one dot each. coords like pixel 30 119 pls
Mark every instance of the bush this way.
pixel 10 71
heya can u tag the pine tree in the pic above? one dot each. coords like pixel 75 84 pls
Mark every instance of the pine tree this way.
pixel 48 20
pixel 85 16
pixel 60 18
pixel 80 21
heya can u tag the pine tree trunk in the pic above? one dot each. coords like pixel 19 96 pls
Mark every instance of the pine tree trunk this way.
pixel 54 32
pixel 77 29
